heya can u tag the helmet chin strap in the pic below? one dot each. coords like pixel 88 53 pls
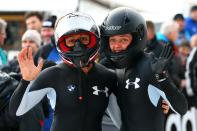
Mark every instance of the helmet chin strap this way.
pixel 81 60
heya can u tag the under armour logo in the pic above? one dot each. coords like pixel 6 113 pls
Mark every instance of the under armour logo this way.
pixel 135 83
pixel 96 91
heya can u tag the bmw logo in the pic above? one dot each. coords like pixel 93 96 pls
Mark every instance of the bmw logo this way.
pixel 71 88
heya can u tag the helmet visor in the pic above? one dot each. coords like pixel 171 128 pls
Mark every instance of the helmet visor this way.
pixel 67 42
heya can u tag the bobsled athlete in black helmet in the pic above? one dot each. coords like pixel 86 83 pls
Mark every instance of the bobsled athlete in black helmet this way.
pixel 78 88
pixel 142 79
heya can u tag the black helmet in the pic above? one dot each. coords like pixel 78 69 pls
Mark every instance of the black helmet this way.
pixel 119 21
pixel 75 23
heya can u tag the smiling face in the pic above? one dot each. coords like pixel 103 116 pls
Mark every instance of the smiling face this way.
pixel 120 43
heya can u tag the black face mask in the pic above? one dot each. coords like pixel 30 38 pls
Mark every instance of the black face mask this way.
pixel 80 55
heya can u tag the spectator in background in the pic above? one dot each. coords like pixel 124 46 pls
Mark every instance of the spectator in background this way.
pixel 33 120
pixel 34 20
pixel 153 45
pixel 193 43
pixel 191 21
pixel 184 50
pixel 150 30
pixel 30 38
pixel 48 51
pixel 7 122
pixel 183 35
pixel 191 72
pixel 47 30
pixel 168 34
pixel 3 54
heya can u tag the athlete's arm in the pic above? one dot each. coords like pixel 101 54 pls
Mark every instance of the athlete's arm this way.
pixel 26 96
pixel 158 67
pixel 174 96
pixel 23 99
pixel 192 68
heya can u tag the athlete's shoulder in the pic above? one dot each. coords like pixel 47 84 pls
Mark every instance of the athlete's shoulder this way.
pixel 104 72
pixel 51 70
pixel 107 63
pixel 102 68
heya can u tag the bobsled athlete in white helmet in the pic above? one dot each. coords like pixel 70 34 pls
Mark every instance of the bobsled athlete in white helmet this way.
pixel 78 88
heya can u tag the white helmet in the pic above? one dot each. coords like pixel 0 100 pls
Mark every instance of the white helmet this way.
pixel 75 23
